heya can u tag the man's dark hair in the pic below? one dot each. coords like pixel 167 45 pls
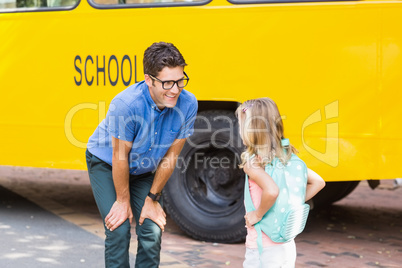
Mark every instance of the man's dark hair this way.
pixel 161 55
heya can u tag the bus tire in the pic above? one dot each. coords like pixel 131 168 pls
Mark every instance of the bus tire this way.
pixel 204 196
pixel 332 192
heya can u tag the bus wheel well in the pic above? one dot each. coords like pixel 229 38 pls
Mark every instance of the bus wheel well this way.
pixel 334 191
pixel 217 105
pixel 204 195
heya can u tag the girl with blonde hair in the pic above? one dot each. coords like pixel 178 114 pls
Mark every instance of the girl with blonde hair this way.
pixel 262 132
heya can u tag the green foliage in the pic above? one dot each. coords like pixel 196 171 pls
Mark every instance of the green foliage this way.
pixel 31 3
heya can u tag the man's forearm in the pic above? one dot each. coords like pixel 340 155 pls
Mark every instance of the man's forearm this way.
pixel 163 173
pixel 121 180
pixel 167 166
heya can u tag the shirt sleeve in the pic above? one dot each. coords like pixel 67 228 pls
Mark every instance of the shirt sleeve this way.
pixel 121 121
pixel 187 128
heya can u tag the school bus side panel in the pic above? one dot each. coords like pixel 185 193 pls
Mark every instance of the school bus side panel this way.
pixel 323 64
pixel 391 93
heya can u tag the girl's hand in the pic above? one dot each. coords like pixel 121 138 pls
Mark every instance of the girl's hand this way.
pixel 252 218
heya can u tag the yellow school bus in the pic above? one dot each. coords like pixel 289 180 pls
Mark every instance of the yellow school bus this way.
pixel 334 69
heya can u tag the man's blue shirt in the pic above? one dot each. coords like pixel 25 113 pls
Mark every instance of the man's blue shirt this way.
pixel 133 116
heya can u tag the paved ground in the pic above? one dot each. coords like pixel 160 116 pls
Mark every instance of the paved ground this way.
pixel 58 225
pixel 34 237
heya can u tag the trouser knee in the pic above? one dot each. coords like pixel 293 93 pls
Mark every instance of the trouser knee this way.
pixel 119 235
pixel 150 233
pixel 149 245
pixel 117 245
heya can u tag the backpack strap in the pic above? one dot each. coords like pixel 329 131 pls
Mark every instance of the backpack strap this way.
pixel 285 142
pixel 249 203
pixel 250 207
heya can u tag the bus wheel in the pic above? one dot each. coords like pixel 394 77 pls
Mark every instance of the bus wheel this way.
pixel 332 192
pixel 204 196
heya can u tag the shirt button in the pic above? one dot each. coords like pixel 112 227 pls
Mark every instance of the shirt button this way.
pixel 150 149
pixel 156 133
pixel 135 171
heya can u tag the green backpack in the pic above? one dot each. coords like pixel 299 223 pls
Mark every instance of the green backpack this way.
pixel 287 217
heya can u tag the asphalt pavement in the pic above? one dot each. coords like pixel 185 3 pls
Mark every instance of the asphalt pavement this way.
pixel 34 237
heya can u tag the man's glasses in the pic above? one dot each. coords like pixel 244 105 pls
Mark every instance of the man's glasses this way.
pixel 166 85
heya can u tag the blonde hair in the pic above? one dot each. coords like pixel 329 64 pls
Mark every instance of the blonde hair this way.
pixel 261 129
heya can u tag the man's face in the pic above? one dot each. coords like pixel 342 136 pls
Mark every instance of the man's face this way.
pixel 165 98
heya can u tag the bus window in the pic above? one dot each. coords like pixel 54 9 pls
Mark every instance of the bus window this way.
pixel 15 4
pixel 144 2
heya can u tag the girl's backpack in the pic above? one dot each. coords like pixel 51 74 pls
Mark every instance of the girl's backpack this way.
pixel 287 217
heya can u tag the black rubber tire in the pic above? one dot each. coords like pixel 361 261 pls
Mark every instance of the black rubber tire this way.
pixel 334 191
pixel 205 199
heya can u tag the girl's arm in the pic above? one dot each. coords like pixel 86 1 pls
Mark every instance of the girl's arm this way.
pixel 269 188
pixel 314 184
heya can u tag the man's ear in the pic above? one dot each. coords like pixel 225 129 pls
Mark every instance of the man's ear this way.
pixel 148 80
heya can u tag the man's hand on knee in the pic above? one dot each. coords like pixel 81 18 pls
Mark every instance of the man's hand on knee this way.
pixel 152 210
pixel 118 214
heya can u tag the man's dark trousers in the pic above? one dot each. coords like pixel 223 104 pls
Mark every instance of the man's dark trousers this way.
pixel 117 242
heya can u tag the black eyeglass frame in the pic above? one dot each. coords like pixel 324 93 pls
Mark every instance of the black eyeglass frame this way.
pixel 174 82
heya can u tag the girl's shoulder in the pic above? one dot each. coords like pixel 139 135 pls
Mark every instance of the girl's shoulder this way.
pixel 253 165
